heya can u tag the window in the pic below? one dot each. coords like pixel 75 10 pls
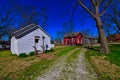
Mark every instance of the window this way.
pixel 37 39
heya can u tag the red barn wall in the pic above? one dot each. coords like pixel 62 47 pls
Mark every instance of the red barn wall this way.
pixel 74 40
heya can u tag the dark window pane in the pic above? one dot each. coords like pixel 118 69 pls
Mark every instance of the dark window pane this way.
pixel 36 40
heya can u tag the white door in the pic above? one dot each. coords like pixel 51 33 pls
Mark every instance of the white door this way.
pixel 37 42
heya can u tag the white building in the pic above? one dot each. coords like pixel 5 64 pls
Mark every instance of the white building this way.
pixel 24 39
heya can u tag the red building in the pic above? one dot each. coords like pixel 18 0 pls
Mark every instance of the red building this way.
pixel 117 37
pixel 73 39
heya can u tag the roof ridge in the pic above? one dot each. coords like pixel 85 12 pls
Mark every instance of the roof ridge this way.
pixel 43 30
pixel 29 28
pixel 25 31
pixel 70 34
pixel 23 28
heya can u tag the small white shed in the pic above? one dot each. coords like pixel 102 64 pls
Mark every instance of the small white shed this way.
pixel 24 39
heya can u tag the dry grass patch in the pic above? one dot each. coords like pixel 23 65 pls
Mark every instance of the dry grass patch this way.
pixel 47 56
pixel 105 68
pixel 106 65
pixel 17 68
pixel 13 64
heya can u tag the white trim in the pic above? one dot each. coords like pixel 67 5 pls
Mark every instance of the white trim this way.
pixel 43 30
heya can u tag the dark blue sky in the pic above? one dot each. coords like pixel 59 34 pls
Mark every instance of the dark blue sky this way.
pixel 58 12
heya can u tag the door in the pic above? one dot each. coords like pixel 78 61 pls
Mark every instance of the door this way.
pixel 68 42
pixel 37 39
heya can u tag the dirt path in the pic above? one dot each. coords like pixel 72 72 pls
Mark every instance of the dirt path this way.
pixel 75 70
pixel 83 67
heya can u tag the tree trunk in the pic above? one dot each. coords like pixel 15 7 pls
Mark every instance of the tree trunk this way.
pixel 104 45
pixel 109 38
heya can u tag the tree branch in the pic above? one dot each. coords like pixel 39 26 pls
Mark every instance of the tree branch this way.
pixel 3 19
pixel 86 8
pixel 101 1
pixel 2 27
pixel 93 2
pixel 105 8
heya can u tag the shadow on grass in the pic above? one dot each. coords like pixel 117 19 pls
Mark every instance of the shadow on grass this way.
pixel 92 48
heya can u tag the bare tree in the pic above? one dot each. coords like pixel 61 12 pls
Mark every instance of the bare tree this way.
pixel 69 26
pixel 31 14
pixel 59 37
pixel 108 29
pixel 97 12
pixel 115 15
pixel 5 22
pixel 87 32
pixel 111 19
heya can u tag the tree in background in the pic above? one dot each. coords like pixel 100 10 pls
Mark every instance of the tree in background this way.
pixel 59 37
pixel 31 14
pixel 97 10
pixel 18 15
pixel 69 26
pixel 114 16
pixel 6 24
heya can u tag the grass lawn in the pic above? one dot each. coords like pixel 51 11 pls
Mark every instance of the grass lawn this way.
pixel 16 68
pixel 107 66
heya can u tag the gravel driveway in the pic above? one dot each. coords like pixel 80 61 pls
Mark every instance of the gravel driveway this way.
pixel 75 70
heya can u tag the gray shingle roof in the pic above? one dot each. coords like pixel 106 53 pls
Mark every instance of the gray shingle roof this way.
pixel 26 30
pixel 73 34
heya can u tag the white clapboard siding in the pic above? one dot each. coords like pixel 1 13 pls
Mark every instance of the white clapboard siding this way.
pixel 14 45
pixel 26 43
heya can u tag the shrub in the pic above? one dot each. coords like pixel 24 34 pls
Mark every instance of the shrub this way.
pixel 32 53
pixel 23 55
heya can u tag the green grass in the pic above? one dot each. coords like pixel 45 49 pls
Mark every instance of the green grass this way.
pixel 114 56
pixel 16 68
pixel 73 56
pixel 36 69
pixel 63 52
pixel 5 53
pixel 110 71
pixel 30 73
